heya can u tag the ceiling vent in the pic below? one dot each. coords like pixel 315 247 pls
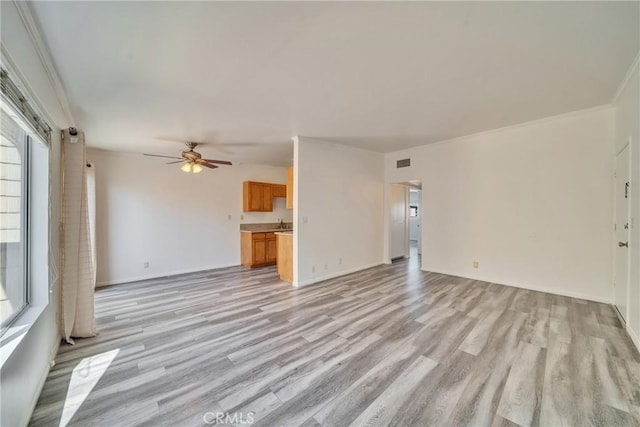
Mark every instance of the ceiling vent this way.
pixel 404 163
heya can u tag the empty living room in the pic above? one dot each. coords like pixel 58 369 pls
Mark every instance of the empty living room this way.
pixel 319 213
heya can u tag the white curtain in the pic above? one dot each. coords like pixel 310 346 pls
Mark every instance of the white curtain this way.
pixel 78 247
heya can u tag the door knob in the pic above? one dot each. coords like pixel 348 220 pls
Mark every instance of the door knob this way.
pixel 623 244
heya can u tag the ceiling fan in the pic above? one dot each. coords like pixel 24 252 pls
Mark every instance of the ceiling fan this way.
pixel 193 161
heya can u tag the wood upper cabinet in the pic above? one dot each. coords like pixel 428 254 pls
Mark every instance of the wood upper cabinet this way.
pixel 279 190
pixel 290 187
pixel 258 249
pixel 258 196
pixel 267 197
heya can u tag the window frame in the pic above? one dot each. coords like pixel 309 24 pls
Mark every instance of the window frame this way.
pixel 25 235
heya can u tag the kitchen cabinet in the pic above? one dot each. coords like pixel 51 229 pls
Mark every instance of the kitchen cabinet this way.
pixel 285 256
pixel 290 187
pixel 257 197
pixel 258 249
pixel 279 190
pixel 272 249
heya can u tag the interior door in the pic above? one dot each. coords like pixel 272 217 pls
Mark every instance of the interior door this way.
pixel 622 229
pixel 399 221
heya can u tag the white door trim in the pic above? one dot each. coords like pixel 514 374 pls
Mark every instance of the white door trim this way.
pixel 623 316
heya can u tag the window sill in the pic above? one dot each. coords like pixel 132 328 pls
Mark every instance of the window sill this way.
pixel 16 333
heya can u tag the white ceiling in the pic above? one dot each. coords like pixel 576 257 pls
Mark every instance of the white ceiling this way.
pixel 382 76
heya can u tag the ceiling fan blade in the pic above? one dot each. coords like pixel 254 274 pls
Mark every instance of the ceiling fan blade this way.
pixel 220 162
pixel 172 163
pixel 166 157
pixel 207 165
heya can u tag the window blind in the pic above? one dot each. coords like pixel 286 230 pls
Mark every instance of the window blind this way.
pixel 19 103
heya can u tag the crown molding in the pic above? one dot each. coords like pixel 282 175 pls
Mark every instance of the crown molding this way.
pixel 45 57
pixel 627 78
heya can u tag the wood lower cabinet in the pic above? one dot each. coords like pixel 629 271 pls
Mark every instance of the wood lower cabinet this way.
pixel 258 249
pixel 259 252
pixel 285 256
pixel 272 249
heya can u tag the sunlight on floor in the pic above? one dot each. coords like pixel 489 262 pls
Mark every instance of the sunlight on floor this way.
pixel 84 378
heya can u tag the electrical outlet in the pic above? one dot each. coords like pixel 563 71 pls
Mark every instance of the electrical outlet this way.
pixel 475 264
pixel 146 264
pixel 305 219
pixel 229 217
pixel 241 217
pixel 339 261
pixel 313 268
pixel 326 266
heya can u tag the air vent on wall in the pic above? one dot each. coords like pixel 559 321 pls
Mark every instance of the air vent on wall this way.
pixel 404 163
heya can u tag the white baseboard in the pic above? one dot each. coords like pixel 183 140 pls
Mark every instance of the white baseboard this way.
pixel 553 291
pixel 161 275
pixel 334 275
pixel 52 357
pixel 634 338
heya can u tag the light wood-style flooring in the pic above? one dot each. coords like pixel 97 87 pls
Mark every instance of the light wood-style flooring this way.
pixel 391 345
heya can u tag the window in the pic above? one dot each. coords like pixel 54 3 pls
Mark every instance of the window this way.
pixel 413 210
pixel 14 174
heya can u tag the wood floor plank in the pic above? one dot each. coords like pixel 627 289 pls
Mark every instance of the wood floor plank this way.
pixel 385 407
pixel 521 397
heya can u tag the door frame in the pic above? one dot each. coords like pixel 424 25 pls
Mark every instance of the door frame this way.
pixel 623 316
pixel 386 254
pixel 406 223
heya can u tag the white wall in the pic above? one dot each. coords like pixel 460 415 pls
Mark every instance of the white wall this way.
pixel 531 203
pixel 339 192
pixel 23 373
pixel 627 124
pixel 151 212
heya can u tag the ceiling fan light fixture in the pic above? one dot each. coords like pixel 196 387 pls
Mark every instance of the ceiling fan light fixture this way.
pixel 196 168
pixel 186 167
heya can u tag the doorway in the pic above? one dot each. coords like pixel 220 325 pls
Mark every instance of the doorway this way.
pixel 415 221
pixel 405 221
pixel 622 230
pixel 399 230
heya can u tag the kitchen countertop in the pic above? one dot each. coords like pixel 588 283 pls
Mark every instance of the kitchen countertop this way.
pixel 285 232
pixel 271 230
